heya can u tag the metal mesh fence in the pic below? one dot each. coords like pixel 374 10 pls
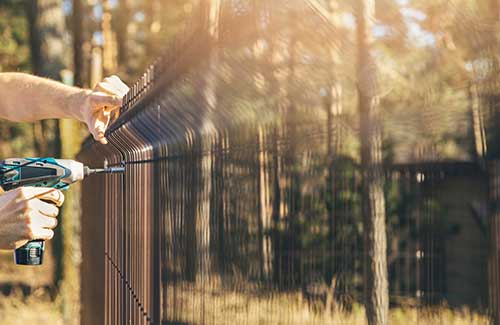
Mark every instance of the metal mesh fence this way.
pixel 242 196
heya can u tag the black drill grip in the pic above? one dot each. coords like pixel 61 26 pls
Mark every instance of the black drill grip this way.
pixel 32 252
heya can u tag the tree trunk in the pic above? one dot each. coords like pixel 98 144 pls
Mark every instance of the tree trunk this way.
pixel 78 42
pixel 210 97
pixel 48 50
pixel 478 130
pixel 41 145
pixel 47 26
pixel 274 185
pixel 153 23
pixel 123 17
pixel 191 186
pixel 333 107
pixel 293 261
pixel 5 133
pixel 217 240
pixel 71 135
pixel 373 201
pixel 268 235
pixel 109 48
pixel 276 210
pixel 264 217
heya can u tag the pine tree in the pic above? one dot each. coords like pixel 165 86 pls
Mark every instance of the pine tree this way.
pixel 373 201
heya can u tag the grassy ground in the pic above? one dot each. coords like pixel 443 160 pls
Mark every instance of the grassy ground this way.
pixel 191 306
pixel 24 297
pixel 37 308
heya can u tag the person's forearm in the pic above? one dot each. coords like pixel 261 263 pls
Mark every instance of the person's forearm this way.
pixel 26 98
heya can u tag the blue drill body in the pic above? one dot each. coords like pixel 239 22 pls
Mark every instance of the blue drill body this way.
pixel 42 172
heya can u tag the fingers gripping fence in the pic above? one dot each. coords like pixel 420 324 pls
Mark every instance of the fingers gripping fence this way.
pixel 243 196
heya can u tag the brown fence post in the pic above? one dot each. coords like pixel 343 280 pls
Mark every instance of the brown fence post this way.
pixel 494 256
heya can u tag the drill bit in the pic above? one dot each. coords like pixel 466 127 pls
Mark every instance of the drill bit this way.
pixel 108 170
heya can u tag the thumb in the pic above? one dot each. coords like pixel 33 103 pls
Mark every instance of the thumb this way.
pixel 98 127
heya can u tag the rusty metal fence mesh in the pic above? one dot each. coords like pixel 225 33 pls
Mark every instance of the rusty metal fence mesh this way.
pixel 241 200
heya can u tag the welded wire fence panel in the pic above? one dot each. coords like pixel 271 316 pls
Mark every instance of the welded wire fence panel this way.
pixel 242 200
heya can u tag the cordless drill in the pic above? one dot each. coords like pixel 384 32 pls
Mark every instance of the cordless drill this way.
pixel 42 172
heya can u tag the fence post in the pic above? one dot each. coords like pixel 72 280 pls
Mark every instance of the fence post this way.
pixel 494 256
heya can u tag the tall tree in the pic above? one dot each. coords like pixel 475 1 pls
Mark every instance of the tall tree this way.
pixel 81 48
pixel 263 179
pixel 47 28
pixel 264 221
pixel 123 16
pixel 109 47
pixel 332 102
pixel 72 134
pixel 373 201
pixel 78 42
pixel 49 59
pixel 210 97
pixel 291 154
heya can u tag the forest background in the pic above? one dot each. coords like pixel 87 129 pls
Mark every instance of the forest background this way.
pixel 79 42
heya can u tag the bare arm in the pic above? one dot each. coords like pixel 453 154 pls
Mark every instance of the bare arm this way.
pixel 26 98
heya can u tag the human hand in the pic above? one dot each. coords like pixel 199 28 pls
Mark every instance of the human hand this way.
pixel 99 103
pixel 24 215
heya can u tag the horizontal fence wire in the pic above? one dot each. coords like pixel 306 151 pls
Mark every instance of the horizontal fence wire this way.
pixel 242 196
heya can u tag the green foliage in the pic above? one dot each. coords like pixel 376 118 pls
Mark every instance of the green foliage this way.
pixel 14 42
pixel 14 56
pixel 145 28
